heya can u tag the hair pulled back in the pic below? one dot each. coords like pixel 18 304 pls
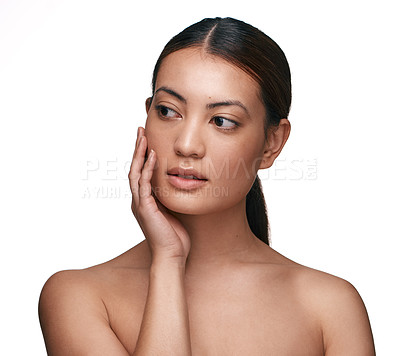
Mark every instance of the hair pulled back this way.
pixel 259 56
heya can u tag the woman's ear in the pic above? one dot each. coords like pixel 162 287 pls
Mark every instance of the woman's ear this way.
pixel 277 137
pixel 148 104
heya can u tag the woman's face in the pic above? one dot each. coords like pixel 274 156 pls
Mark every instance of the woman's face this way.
pixel 206 125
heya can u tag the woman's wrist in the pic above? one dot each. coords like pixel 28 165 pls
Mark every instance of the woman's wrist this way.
pixel 167 262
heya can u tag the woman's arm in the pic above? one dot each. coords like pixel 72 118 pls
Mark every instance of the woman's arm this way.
pixel 165 325
pixel 75 320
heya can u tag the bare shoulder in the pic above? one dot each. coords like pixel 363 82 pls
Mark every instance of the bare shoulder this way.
pixel 73 310
pixel 344 319
pixel 337 306
pixel 73 318
pixel 89 286
pixel 64 287
pixel 92 281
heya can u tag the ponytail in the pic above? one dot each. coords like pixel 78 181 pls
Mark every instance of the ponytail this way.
pixel 256 212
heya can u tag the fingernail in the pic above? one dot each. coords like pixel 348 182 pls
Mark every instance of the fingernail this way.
pixel 138 131
pixel 151 155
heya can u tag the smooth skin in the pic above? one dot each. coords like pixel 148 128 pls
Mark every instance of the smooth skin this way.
pixel 201 283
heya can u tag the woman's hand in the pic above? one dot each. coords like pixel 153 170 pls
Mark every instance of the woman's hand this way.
pixel 166 236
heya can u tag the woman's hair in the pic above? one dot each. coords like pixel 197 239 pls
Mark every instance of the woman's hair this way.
pixel 259 56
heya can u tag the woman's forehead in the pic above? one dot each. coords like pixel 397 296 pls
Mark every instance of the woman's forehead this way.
pixel 194 72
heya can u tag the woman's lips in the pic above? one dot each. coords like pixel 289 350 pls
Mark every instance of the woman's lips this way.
pixel 186 178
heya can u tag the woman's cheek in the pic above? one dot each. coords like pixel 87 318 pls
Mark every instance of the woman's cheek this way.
pixel 244 167
pixel 153 138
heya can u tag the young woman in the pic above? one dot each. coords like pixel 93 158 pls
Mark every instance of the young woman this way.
pixel 205 281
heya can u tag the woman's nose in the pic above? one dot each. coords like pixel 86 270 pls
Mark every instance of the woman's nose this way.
pixel 189 141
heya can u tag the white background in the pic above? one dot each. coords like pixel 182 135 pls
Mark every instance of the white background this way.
pixel 74 76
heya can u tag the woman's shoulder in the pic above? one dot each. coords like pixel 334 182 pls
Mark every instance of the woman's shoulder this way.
pixel 303 277
pixel 93 279
pixel 331 296
pixel 334 303
pixel 314 285
pixel 76 306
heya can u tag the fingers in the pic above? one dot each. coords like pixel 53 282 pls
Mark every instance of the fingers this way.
pixel 147 173
pixel 141 172
pixel 137 164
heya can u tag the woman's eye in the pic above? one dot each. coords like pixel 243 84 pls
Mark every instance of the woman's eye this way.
pixel 225 124
pixel 165 112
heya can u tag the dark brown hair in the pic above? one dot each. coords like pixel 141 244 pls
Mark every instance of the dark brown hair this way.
pixel 259 56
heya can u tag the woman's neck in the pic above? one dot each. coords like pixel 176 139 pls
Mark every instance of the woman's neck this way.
pixel 220 238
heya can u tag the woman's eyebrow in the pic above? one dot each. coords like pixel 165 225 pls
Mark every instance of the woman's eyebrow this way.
pixel 228 103
pixel 172 92
pixel 209 106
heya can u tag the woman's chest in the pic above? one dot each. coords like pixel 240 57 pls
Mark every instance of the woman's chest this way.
pixel 230 319
pixel 253 322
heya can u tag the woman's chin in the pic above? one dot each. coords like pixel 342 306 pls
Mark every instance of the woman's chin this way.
pixel 184 206
pixel 183 202
pixel 189 204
